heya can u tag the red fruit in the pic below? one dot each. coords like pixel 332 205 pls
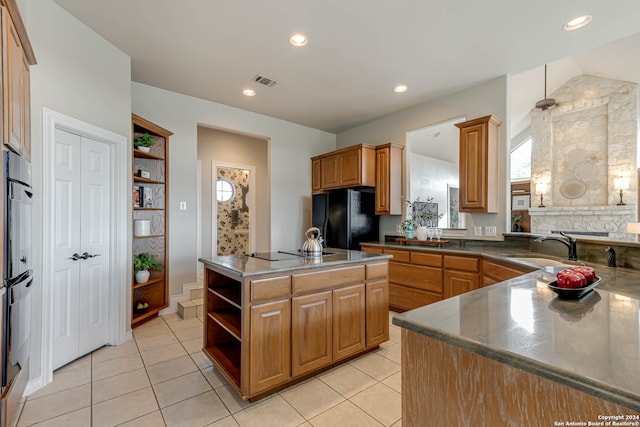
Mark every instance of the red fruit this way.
pixel 588 272
pixel 571 280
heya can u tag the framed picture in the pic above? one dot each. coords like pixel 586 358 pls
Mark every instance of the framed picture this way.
pixel 144 174
pixel 521 202
pixel 137 196
pixel 431 209
pixel 147 197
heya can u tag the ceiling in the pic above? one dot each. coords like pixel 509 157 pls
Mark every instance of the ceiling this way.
pixel 359 50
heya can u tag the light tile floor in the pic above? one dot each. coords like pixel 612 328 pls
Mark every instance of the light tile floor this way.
pixel 162 378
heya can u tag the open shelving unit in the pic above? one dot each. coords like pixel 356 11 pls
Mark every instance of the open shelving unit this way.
pixel 154 208
pixel 224 323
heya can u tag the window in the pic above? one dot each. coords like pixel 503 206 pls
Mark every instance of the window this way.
pixel 224 190
pixel 521 161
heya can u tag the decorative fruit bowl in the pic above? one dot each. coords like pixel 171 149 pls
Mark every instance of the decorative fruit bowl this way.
pixel 573 293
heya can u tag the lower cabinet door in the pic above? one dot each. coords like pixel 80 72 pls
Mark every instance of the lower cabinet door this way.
pixel 377 312
pixel 270 354
pixel 459 282
pixel 348 321
pixel 311 332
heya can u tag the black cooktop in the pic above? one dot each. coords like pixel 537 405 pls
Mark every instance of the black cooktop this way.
pixel 284 255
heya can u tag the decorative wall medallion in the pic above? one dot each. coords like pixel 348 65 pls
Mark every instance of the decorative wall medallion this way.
pixel 573 188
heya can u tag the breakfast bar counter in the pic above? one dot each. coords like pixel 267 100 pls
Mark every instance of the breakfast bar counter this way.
pixel 514 354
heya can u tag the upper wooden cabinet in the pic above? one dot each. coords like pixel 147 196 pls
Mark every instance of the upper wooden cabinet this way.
pixel 349 167
pixel 17 56
pixel 479 164
pixel 389 179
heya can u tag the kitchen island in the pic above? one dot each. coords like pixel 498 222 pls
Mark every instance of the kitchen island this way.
pixel 275 319
pixel 514 354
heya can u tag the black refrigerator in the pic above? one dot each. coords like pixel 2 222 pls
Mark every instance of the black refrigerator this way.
pixel 346 217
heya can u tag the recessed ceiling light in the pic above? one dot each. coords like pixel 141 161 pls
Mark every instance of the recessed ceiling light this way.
pixel 400 89
pixel 249 92
pixel 298 39
pixel 578 22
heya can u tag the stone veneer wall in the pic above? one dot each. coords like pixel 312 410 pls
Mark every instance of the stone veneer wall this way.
pixel 579 147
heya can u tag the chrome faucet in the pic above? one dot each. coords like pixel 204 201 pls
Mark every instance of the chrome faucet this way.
pixel 569 241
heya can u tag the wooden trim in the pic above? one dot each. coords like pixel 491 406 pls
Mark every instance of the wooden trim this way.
pixel 14 11
pixel 137 120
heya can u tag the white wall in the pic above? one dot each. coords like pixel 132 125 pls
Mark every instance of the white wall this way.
pixel 290 151
pixel 478 101
pixel 80 75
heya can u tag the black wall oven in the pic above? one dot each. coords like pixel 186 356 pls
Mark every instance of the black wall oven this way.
pixel 18 268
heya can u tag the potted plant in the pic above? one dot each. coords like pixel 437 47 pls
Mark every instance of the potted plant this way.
pixel 144 262
pixel 516 220
pixel 143 142
pixel 422 216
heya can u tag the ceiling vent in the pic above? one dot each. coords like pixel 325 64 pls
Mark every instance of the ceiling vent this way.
pixel 264 80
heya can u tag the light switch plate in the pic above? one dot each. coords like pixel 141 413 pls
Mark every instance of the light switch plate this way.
pixel 183 206
pixel 477 231
pixel 490 230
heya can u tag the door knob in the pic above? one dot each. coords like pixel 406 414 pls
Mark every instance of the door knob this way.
pixel 75 257
pixel 87 255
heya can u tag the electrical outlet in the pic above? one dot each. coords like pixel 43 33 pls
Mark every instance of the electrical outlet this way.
pixel 490 230
pixel 477 231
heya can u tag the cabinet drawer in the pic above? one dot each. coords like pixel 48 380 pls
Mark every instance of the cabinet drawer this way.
pixel 501 272
pixel 462 263
pixel 398 256
pixel 426 278
pixel 329 278
pixel 372 249
pixel 273 287
pixel 403 298
pixel 430 260
pixel 377 271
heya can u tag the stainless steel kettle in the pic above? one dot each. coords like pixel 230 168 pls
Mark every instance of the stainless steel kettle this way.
pixel 313 244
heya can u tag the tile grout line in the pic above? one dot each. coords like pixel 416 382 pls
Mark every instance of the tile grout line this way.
pixel 153 390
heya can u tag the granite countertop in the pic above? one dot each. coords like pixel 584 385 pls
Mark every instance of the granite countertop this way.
pixel 592 345
pixel 245 265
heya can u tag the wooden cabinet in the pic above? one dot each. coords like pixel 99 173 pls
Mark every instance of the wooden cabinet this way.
pixel 265 331
pixel 459 282
pixel 311 332
pixel 494 272
pixel 270 357
pixel 348 321
pixel 349 167
pixel 316 176
pixel 389 195
pixel 415 279
pixel 479 164
pixel 150 205
pixel 17 56
pixel 461 274
pixel 377 312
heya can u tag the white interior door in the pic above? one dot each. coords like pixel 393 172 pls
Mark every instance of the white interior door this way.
pixel 81 246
